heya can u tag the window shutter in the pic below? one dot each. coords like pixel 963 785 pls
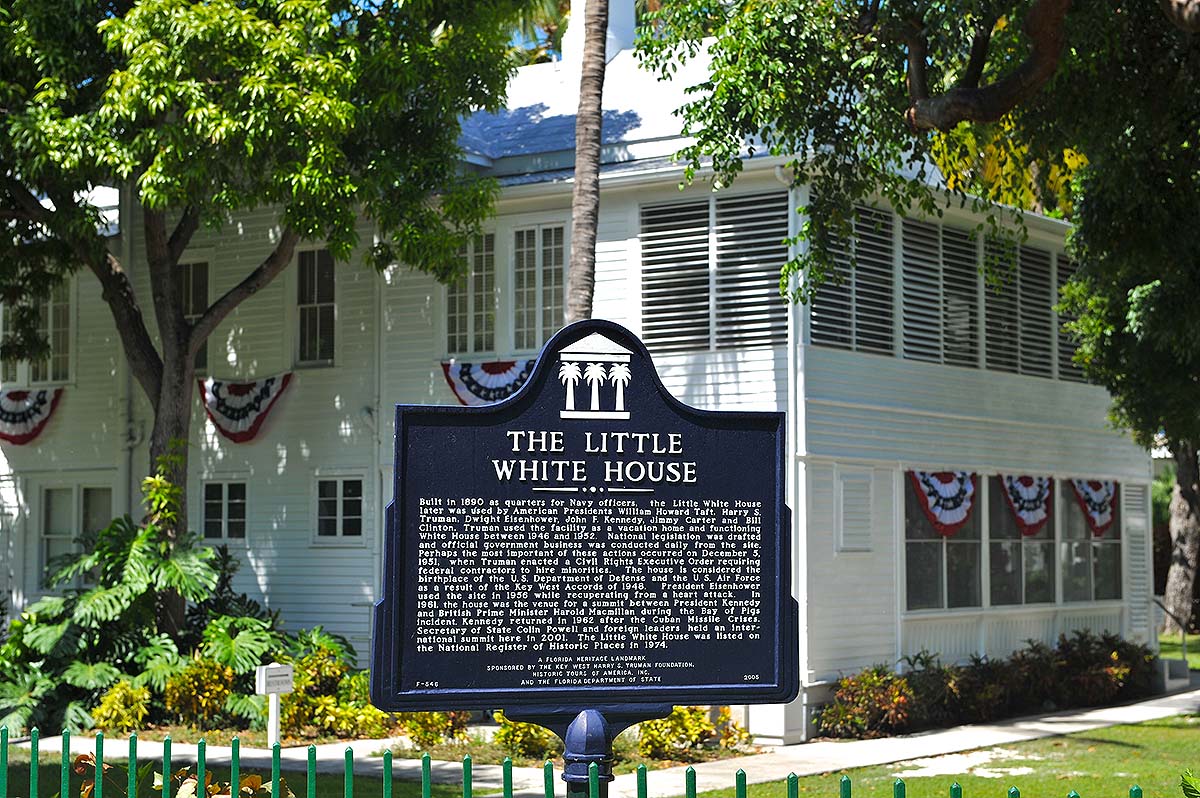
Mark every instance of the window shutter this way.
pixel 1036 320
pixel 1068 369
pixel 853 504
pixel 960 299
pixel 1002 308
pixel 750 234
pixel 833 305
pixel 873 306
pixel 922 291
pixel 675 276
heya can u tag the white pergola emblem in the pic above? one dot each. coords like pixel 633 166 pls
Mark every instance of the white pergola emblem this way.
pixel 598 363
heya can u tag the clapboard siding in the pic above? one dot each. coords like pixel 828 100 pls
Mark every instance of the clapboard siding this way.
pixel 888 409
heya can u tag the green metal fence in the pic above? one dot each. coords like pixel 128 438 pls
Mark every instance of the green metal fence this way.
pixel 136 776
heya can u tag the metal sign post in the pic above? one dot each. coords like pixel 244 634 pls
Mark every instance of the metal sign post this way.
pixel 586 554
pixel 271 681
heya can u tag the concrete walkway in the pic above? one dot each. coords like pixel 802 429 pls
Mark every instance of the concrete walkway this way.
pixel 806 759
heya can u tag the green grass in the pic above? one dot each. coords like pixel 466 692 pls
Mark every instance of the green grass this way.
pixel 1168 648
pixel 1098 764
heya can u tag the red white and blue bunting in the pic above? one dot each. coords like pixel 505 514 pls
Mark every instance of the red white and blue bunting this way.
pixel 1030 499
pixel 24 414
pixel 1096 498
pixel 477 384
pixel 946 497
pixel 238 409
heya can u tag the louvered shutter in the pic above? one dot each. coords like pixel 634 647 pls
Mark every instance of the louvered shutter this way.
pixel 1036 319
pixel 675 276
pixel 873 305
pixel 922 298
pixel 1067 368
pixel 833 305
pixel 1134 501
pixel 1002 309
pixel 853 505
pixel 750 234
pixel 960 298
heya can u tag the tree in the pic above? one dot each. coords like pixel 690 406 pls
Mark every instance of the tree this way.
pixel 321 109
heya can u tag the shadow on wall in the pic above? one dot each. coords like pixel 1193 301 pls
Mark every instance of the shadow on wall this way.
pixel 527 130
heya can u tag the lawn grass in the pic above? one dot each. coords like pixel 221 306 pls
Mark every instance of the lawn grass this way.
pixel 1098 764
pixel 1168 648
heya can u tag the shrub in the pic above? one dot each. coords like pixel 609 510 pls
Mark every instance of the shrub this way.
pixel 123 708
pixel 1034 672
pixel 732 734
pixel 678 734
pixel 526 739
pixel 198 694
pixel 873 703
pixel 427 729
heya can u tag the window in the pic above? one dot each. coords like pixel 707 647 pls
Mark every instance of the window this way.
pixel 538 259
pixel 68 513
pixel 54 324
pixel 941 571
pixel 315 304
pixel 194 290
pixel 471 301
pixel 1020 335
pixel 224 510
pixel 1091 563
pixel 339 508
pixel 940 297
pixel 854 309
pixel 710 272
pixel 1021 565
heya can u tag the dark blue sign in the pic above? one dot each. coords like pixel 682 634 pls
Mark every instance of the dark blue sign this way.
pixel 590 540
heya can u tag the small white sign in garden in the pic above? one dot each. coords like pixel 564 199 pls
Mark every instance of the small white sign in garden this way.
pixel 272 681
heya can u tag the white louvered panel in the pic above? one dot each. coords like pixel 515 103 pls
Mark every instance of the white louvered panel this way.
pixel 922 300
pixel 873 303
pixel 853 505
pixel 1068 369
pixel 1036 319
pixel 833 306
pixel 1134 499
pixel 1001 308
pixel 675 277
pixel 750 235
pixel 960 299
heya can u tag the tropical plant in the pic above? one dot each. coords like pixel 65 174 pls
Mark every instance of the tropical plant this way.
pixel 198 695
pixel 526 740
pixel 224 601
pixel 123 708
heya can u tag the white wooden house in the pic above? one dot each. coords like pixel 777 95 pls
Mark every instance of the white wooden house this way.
pixel 911 365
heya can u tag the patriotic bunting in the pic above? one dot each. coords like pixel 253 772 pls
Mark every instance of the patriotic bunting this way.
pixel 477 384
pixel 947 498
pixel 24 414
pixel 238 409
pixel 1096 498
pixel 1029 499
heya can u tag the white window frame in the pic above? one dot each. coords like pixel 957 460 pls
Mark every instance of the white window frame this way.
pixel 366 510
pixel 41 560
pixel 24 368
pixel 504 229
pixel 188 261
pixel 541 333
pixel 224 481
pixel 294 315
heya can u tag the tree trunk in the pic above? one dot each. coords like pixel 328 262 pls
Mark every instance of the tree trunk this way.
pixel 585 198
pixel 1185 535
pixel 169 447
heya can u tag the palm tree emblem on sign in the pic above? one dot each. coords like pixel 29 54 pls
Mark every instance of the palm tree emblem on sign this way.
pixel 599 362
pixel 596 375
pixel 569 375
pixel 620 376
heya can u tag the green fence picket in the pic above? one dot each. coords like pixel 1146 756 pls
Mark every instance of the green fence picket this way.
pixel 642 790
pixel 1072 794
pixel 132 767
pixel 689 782
pixel 235 767
pixel 3 762
pixel 844 784
pixel 547 779
pixel 1135 792
pixel 166 776
pixel 426 775
pixel 98 792
pixel 311 787
pixel 739 783
pixel 507 775
pixel 348 779
pixel 1013 792
pixel 64 759
pixel 466 776
pixel 201 765
pixel 956 790
pixel 275 750
pixel 593 780
pixel 898 788
pixel 387 773
pixel 33 761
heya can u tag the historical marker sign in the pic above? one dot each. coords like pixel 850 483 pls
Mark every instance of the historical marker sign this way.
pixel 588 541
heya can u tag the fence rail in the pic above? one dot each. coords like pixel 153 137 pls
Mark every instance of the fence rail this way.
pixel 236 782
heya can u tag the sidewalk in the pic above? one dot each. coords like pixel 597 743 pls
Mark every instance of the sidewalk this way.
pixel 805 759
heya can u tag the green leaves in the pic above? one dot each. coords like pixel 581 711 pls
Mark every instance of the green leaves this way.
pixel 238 643
pixel 1190 785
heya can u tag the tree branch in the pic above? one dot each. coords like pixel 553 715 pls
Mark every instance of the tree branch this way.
pixel 868 17
pixel 1184 14
pixel 979 53
pixel 1044 26
pixel 182 235
pixel 918 49
pixel 164 284
pixel 258 279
